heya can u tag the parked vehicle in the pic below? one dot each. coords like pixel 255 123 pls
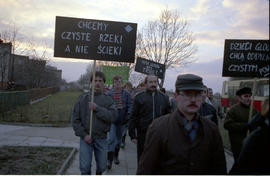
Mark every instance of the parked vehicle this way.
pixel 229 88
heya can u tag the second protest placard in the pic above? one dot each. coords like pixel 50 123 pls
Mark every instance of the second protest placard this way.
pixel 150 67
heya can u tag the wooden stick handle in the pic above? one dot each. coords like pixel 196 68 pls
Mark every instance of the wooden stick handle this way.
pixel 92 97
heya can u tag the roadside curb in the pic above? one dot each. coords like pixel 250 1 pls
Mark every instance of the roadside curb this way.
pixel 40 99
pixel 67 162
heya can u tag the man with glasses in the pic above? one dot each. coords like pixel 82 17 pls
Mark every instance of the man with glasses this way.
pixel 236 121
pixel 183 142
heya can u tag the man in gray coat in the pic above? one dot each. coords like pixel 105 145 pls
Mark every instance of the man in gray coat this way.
pixel 183 142
pixel 104 113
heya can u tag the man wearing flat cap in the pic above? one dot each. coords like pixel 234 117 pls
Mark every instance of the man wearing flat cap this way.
pixel 183 142
pixel 237 119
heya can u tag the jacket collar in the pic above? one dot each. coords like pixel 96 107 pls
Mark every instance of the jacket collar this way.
pixel 150 92
pixel 96 93
pixel 243 105
pixel 180 117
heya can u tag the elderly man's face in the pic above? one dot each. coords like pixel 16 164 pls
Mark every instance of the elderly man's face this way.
pixel 189 101
pixel 245 99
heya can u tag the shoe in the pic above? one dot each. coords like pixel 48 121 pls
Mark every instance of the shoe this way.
pixel 109 165
pixel 98 173
pixel 110 160
pixel 123 145
pixel 116 161
pixel 115 157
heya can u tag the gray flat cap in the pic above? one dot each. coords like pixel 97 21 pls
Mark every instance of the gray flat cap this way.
pixel 189 82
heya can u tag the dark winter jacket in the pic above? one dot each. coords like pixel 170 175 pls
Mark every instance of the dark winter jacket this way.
pixel 147 106
pixel 236 123
pixel 256 121
pixel 103 116
pixel 168 149
pixel 208 111
pixel 254 158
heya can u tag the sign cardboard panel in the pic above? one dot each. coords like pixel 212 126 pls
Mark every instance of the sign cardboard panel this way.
pixel 111 71
pixel 150 67
pixel 95 39
pixel 246 58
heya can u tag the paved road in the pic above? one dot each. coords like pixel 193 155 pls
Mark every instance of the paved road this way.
pixel 50 136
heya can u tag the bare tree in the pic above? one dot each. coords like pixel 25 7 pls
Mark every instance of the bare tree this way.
pixel 5 52
pixel 84 79
pixel 12 35
pixel 167 40
pixel 37 75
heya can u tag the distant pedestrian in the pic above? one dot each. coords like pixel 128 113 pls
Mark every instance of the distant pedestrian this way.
pixel 207 100
pixel 141 87
pixel 147 106
pixel 216 102
pixel 254 157
pixel 128 87
pixel 207 110
pixel 173 104
pixel 236 121
pixel 104 113
pixel 183 142
pixel 122 100
pixel 210 94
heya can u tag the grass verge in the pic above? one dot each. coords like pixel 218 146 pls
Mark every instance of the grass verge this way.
pixel 32 160
pixel 56 109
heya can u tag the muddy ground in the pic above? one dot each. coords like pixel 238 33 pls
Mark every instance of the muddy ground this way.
pixel 32 160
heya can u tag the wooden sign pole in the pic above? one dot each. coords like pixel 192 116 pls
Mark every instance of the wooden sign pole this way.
pixel 92 97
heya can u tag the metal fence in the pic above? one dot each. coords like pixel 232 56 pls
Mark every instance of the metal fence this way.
pixel 10 100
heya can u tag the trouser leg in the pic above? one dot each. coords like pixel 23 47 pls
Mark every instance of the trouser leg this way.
pixel 140 144
pixel 116 153
pixel 85 157
pixel 101 150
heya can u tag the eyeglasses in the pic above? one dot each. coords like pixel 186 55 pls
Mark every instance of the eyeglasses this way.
pixel 190 95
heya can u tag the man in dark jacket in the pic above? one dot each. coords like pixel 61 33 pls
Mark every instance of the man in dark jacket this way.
pixel 147 106
pixel 183 142
pixel 236 121
pixel 207 110
pixel 104 113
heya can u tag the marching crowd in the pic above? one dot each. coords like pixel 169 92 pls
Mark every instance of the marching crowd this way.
pixel 173 136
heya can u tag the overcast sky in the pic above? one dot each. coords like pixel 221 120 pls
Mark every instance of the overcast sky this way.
pixel 212 21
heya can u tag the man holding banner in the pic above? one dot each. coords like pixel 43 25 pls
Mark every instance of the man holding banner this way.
pixel 236 121
pixel 107 41
pixel 104 113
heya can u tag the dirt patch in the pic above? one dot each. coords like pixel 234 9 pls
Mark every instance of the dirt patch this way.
pixel 32 160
